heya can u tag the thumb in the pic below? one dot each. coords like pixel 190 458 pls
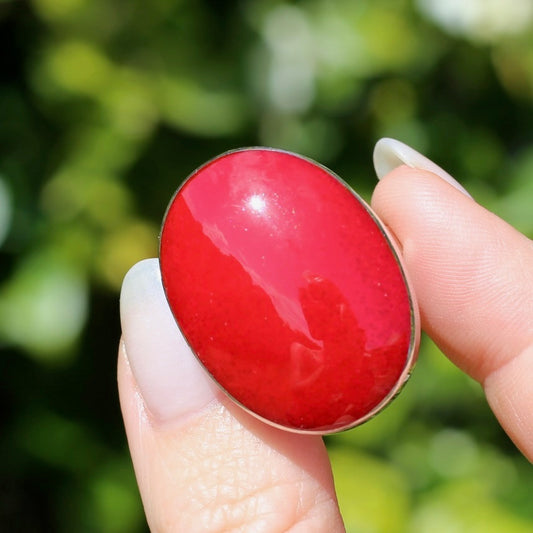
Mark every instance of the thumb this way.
pixel 202 463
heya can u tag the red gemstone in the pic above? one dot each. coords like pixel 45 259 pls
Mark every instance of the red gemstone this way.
pixel 288 290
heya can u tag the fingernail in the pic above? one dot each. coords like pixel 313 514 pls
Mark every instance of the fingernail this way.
pixel 170 379
pixel 390 154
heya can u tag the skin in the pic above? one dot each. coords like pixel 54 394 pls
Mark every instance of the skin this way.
pixel 218 469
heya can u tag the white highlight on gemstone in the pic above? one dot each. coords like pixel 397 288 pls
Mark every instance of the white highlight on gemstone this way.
pixel 257 204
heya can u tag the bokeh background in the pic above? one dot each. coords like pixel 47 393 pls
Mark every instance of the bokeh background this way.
pixel 107 105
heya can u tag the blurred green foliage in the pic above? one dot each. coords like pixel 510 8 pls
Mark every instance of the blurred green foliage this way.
pixel 106 106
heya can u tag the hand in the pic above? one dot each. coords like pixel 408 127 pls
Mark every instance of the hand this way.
pixel 203 464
